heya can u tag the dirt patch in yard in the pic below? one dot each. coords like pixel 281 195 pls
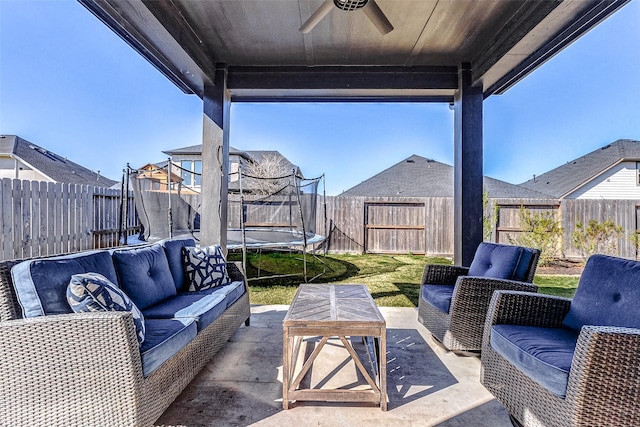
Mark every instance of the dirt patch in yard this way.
pixel 562 267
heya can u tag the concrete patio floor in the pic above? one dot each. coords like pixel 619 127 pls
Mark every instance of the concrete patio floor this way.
pixel 427 386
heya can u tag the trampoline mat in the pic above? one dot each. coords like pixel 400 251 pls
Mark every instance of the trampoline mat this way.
pixel 269 238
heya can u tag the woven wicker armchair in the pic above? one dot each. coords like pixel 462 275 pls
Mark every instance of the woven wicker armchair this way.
pixel 601 386
pixel 457 322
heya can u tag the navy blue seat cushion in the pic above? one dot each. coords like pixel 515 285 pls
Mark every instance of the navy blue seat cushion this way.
pixel 203 306
pixel 144 275
pixel 438 296
pixel 232 292
pixel 41 284
pixel 501 261
pixel 543 354
pixel 204 309
pixel 173 250
pixel 163 339
pixel 608 294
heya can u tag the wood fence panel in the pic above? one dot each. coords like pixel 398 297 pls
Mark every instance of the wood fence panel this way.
pixel 346 217
pixel 51 223
pixel 40 218
pixel 508 225
pixel 621 212
pixel 439 226
pixel 17 213
pixel 75 217
pixel 64 219
pixel 35 218
pixel 7 211
pixel 88 218
pixel 394 227
pixel 43 230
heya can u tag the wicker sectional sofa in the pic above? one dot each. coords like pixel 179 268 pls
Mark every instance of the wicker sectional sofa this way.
pixel 58 367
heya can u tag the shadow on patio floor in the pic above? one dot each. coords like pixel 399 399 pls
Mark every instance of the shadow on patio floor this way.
pixel 426 385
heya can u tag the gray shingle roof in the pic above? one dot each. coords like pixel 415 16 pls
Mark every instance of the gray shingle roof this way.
pixel 421 177
pixel 54 166
pixel 564 179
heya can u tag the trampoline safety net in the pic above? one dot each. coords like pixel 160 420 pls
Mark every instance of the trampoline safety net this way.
pixel 262 212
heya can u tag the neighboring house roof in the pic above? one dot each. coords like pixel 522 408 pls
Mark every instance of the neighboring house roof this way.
pixel 565 179
pixel 417 176
pixel 192 149
pixel 197 150
pixel 158 172
pixel 56 167
pixel 252 155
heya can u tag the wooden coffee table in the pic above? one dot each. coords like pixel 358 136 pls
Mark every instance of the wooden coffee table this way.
pixel 334 311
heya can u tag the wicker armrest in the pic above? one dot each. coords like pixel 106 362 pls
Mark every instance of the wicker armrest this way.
pixel 234 269
pixel 482 287
pixel 524 308
pixel 442 274
pixel 472 295
pixel 605 374
pixel 527 308
pixel 51 365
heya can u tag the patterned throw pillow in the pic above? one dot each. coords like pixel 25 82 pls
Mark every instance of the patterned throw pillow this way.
pixel 205 268
pixel 93 292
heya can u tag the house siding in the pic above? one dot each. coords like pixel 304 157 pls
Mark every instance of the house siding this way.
pixel 620 183
pixel 8 170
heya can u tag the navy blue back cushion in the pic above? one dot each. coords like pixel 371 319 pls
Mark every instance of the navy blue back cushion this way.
pixel 173 250
pixel 500 261
pixel 524 265
pixel 608 294
pixel 144 275
pixel 41 284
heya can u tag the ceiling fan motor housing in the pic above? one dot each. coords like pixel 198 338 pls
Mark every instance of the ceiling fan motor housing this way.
pixel 350 4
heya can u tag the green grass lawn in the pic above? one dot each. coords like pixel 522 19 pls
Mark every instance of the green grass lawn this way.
pixel 393 280
pixel 562 286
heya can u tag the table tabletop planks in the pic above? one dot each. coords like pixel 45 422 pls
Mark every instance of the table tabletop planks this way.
pixel 324 305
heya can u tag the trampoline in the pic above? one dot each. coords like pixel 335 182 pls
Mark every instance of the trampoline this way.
pixel 275 213
pixel 257 238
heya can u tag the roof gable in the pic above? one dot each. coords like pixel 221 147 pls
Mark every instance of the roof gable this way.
pixel 567 178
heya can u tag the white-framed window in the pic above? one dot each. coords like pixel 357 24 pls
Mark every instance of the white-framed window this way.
pixel 637 173
pixel 191 172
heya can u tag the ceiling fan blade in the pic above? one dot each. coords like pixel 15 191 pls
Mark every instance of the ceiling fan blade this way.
pixel 377 17
pixel 317 16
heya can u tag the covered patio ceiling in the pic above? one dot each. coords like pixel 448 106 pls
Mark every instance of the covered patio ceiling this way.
pixel 345 55
pixel 456 51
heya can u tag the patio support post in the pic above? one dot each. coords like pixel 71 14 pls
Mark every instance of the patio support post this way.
pixel 468 173
pixel 215 160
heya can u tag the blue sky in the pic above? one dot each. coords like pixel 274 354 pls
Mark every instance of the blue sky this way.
pixel 69 84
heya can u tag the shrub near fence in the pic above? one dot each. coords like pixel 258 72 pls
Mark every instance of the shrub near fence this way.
pixel 43 218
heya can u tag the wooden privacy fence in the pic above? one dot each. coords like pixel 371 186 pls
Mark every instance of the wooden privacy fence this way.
pixel 424 225
pixel 417 225
pixel 43 218
pixel 39 219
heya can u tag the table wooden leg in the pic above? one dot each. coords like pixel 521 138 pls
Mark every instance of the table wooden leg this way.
pixel 286 369
pixel 382 366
